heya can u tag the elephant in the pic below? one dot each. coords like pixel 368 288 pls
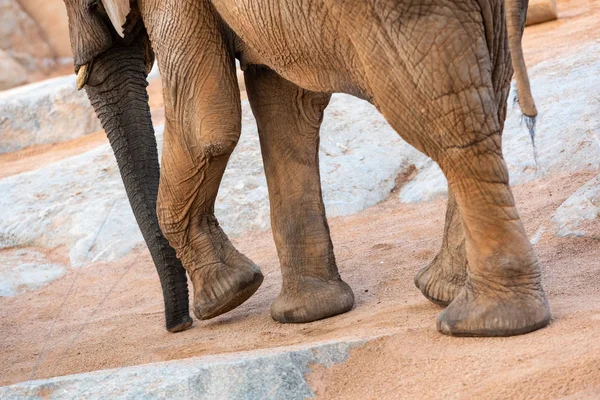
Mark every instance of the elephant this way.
pixel 438 71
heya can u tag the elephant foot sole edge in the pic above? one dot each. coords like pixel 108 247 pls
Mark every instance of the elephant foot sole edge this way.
pixel 311 300
pixel 483 315
pixel 225 291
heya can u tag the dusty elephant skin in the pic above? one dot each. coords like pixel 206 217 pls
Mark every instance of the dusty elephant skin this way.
pixel 438 72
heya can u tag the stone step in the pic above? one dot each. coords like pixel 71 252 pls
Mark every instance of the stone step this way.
pixel 277 373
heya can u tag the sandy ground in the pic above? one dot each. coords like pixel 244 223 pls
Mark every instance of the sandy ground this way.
pixel 110 315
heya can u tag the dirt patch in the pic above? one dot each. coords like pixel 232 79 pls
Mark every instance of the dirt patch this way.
pixel 35 157
pixel 577 25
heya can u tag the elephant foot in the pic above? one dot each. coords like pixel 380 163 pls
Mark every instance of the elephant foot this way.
pixel 224 287
pixel 442 280
pixel 225 278
pixel 180 325
pixel 312 299
pixel 505 311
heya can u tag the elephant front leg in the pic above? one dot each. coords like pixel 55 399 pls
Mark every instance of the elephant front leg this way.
pixel 288 122
pixel 203 124
pixel 193 165
pixel 442 280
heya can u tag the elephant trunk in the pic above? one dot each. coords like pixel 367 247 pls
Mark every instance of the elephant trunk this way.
pixel 116 87
pixel 516 13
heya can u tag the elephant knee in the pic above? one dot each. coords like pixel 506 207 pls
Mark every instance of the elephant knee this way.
pixel 222 146
pixel 189 183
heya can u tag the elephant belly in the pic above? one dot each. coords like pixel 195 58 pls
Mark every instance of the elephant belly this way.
pixel 301 41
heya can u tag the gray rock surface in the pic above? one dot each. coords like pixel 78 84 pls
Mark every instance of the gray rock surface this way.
pixel 579 215
pixel 13 74
pixel 26 269
pixel 50 111
pixel 267 374
pixel 80 202
pixel 567 133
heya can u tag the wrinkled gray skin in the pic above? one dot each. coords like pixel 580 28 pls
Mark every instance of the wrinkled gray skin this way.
pixel 438 71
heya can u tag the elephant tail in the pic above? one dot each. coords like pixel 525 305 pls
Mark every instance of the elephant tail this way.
pixel 516 13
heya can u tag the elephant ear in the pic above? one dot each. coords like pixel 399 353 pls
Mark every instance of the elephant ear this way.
pixel 117 11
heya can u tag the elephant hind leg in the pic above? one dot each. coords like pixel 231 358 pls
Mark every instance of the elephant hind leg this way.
pixel 289 119
pixel 451 111
pixel 445 276
pixel 503 293
pixel 443 279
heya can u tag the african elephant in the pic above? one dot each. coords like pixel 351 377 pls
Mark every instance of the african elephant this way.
pixel 438 71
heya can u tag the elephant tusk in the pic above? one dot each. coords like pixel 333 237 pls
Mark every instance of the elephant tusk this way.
pixel 82 76
pixel 148 57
